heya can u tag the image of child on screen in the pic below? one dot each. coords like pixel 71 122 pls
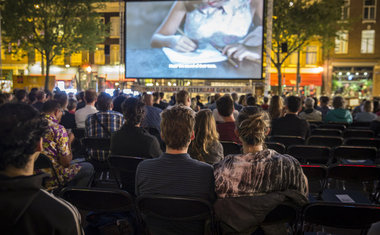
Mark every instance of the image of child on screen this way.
pixel 232 26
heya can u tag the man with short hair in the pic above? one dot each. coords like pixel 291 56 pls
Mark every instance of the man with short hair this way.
pixel 41 98
pixel 324 108
pixel 226 129
pixel 103 123
pixel 157 101
pixel 291 124
pixel 81 115
pixel 25 208
pixel 183 98
pixel 175 173
pixel 235 98
pixel 152 117
pixel 21 96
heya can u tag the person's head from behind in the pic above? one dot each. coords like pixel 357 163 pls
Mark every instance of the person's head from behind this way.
pixel 90 96
pixel 104 102
pixel 80 96
pixel 242 100
pixel 53 108
pixel 266 99
pixel 72 105
pixel 368 106
pixel 225 106
pixel 41 96
pixel 117 103
pixel 156 97
pixel 235 97
pixel 61 97
pixel 21 132
pixel 133 111
pixel 324 101
pixel 309 103
pixel 21 96
pixel 246 112
pixel 293 104
pixel 177 127
pixel 275 106
pixel 183 98
pixel 251 101
pixel 338 102
pixel 162 94
pixel 253 129
pixel 148 99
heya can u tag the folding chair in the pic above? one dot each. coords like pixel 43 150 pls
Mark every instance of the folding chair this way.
pixel 329 141
pixel 173 214
pixel 281 214
pixel 278 147
pixel 340 215
pixel 316 176
pixel 348 133
pixel 287 140
pixel 44 162
pixel 339 126
pixel 124 168
pixel 352 154
pixel 230 147
pixel 327 132
pixel 356 141
pixel 308 154
pixel 360 125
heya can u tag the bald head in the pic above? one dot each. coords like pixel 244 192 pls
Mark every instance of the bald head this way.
pixel 148 99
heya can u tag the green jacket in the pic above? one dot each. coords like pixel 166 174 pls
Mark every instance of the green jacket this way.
pixel 338 115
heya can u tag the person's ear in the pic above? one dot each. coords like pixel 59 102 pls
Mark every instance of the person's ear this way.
pixel 111 106
pixel 192 135
pixel 39 147
pixel 268 131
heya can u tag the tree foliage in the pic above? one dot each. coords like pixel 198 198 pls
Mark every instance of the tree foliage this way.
pixel 295 22
pixel 51 27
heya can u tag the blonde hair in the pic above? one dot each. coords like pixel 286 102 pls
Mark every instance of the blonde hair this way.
pixel 275 107
pixel 205 133
pixel 254 128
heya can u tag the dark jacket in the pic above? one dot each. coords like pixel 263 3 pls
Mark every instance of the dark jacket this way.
pixel 68 120
pixel 27 209
pixel 290 125
pixel 135 142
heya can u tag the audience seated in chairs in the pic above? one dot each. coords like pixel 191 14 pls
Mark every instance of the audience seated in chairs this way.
pixel 206 146
pixel 25 208
pixel 367 115
pixel 269 177
pixel 324 105
pixel 152 117
pixel 338 114
pixel 291 124
pixel 175 173
pixel 103 124
pixel 132 139
pixel 310 114
pixel 82 113
pixel 226 129
pixel 57 146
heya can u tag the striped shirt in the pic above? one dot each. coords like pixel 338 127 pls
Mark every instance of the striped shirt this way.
pixel 111 120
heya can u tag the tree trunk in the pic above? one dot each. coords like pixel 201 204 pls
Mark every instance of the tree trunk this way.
pixel 279 76
pixel 298 70
pixel 47 71
pixel 42 64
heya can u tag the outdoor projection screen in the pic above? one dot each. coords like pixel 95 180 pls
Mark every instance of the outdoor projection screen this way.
pixel 191 39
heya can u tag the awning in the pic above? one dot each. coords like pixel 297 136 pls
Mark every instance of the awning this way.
pixel 290 79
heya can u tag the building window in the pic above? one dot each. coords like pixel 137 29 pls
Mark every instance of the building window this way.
pixel 99 54
pixel 369 10
pixel 341 42
pixel 59 59
pixel 368 41
pixel 115 27
pixel 345 14
pixel 311 55
pixel 293 58
pixel 115 54
pixel 76 58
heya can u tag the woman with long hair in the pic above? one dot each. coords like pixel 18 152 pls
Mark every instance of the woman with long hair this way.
pixel 276 107
pixel 206 146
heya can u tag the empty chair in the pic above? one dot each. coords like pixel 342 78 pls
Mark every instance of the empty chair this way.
pixel 287 140
pixel 278 147
pixel 329 141
pixel 341 127
pixel 310 154
pixel 358 133
pixel 160 213
pixel 44 162
pixel 356 141
pixel 360 125
pixel 340 215
pixel 124 168
pixel 326 132
pixel 316 176
pixel 230 147
pixel 356 153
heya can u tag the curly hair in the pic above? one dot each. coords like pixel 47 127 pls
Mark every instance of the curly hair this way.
pixel 253 129
pixel 21 129
pixel 133 111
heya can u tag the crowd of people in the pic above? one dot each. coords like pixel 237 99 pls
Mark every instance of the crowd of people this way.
pixel 180 140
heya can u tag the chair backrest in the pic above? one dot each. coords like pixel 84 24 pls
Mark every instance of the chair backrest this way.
pixel 348 172
pixel 326 132
pixel 287 140
pixel 278 147
pixel 124 168
pixel 341 127
pixel 94 143
pixel 355 153
pixel 316 176
pixel 44 162
pixel 329 141
pixel 281 214
pixel 230 147
pixel 79 133
pixel 358 133
pixel 357 141
pixel 98 199
pixel 360 125
pixel 310 154
pixel 341 215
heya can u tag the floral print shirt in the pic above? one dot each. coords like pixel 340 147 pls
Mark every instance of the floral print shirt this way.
pixel 55 146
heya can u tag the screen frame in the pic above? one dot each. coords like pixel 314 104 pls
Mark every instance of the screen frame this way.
pixel 209 78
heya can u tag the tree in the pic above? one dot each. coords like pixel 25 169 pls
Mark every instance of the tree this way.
pixel 52 27
pixel 297 21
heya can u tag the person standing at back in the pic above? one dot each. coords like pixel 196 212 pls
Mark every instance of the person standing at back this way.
pixel 291 124
pixel 82 114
